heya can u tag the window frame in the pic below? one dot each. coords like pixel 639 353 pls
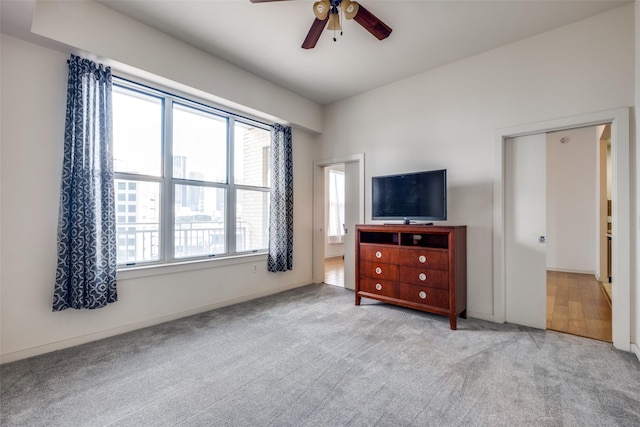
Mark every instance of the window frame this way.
pixel 167 183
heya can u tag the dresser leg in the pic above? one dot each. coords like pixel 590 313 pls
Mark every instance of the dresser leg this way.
pixel 358 298
pixel 464 314
pixel 452 322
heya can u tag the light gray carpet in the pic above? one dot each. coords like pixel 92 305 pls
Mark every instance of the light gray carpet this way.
pixel 310 357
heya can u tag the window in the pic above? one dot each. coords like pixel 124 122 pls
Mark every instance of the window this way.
pixel 194 179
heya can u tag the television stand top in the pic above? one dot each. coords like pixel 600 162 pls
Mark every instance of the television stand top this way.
pixel 407 222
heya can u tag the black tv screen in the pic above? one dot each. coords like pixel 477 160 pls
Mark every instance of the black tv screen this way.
pixel 418 196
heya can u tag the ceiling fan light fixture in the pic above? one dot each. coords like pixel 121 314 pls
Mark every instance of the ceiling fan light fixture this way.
pixel 349 8
pixel 321 9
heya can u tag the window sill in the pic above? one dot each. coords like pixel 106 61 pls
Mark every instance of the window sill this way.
pixel 181 266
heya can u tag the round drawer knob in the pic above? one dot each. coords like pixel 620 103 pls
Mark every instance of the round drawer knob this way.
pixel 378 270
pixel 378 254
pixel 422 276
pixel 422 259
pixel 378 286
pixel 422 295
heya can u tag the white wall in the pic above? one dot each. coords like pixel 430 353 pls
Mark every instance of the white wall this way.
pixel 572 200
pixel 446 118
pixel 31 159
pixel 126 44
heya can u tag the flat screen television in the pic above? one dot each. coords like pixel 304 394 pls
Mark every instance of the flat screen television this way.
pixel 417 196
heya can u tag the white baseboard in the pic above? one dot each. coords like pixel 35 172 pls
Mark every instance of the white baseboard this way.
pixel 635 350
pixel 72 342
pixel 566 270
pixel 480 315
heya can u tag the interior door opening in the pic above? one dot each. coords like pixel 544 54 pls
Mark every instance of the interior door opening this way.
pixel 578 199
pixel 335 224
pixel 353 167
pixel 558 225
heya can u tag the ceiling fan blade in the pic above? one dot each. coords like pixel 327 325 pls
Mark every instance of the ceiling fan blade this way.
pixel 371 23
pixel 314 33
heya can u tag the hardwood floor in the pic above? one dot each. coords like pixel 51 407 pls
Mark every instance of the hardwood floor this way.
pixel 576 304
pixel 334 271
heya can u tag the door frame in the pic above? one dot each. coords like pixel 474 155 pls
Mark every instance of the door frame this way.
pixel 318 208
pixel 621 213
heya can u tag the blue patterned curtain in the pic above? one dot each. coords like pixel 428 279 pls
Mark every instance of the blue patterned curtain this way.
pixel 87 252
pixel 281 214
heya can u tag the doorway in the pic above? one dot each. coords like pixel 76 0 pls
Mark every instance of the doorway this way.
pixel 353 214
pixel 577 195
pixel 335 224
pixel 552 209
pixel 510 295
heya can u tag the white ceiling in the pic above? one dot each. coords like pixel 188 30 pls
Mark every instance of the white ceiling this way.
pixel 265 38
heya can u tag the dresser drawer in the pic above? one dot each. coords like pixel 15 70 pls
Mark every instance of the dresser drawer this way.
pixel 426 258
pixel 380 287
pixel 379 253
pixel 424 277
pixel 424 295
pixel 379 270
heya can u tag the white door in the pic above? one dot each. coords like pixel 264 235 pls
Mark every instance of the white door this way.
pixel 352 215
pixel 525 228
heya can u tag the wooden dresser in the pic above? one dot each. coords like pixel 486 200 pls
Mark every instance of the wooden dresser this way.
pixel 417 266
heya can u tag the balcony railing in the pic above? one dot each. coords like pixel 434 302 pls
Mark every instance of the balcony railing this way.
pixel 138 242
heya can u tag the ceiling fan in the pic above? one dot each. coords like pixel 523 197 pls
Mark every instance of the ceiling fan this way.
pixel 328 11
